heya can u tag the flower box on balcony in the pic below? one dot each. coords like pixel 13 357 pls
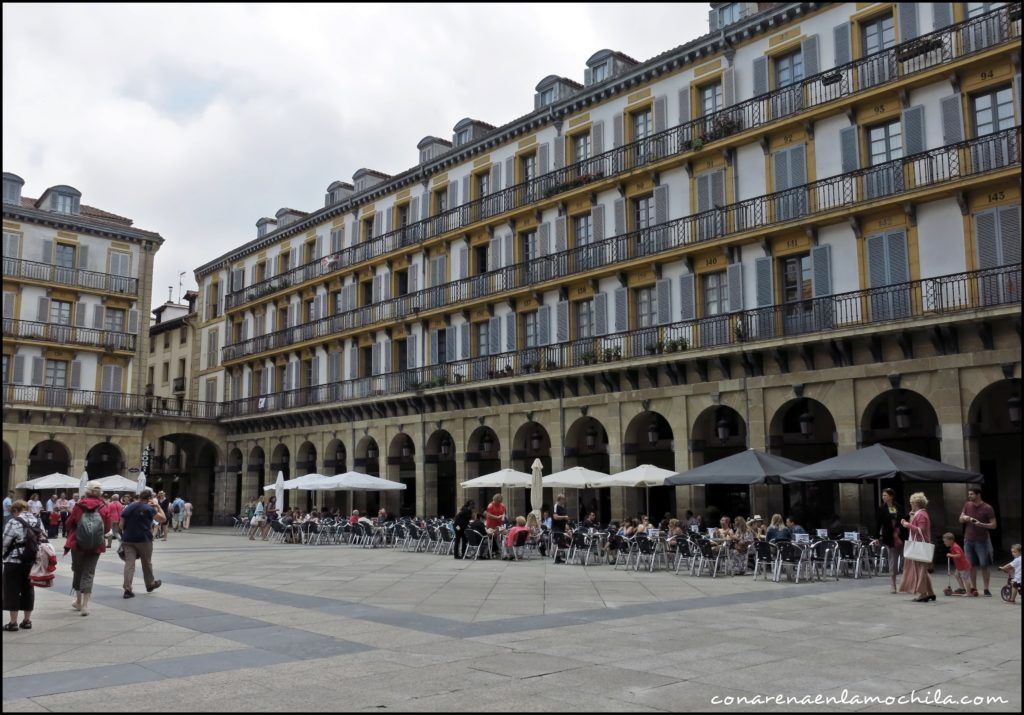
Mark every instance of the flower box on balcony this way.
pixel 579 181
pixel 831 79
pixel 918 48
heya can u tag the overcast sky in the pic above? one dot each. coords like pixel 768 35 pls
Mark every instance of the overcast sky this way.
pixel 196 120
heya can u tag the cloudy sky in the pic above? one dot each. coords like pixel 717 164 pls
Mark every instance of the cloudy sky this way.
pixel 196 120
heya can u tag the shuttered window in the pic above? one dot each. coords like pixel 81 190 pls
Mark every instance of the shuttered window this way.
pixel 581 147
pixel 992 111
pixel 716 294
pixel 997 238
pixel 646 307
pixel 57 374
pixel 585 319
pixel 530 327
pixel 888 265
pixel 885 143
pixel 878 34
pixel 789 69
pixel 710 98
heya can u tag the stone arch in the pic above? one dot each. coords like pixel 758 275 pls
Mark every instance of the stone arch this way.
pixel 586 445
pixel 306 459
pixel 47 457
pixel 103 460
pixel 280 461
pixel 256 474
pixel 649 439
pixel 720 431
pixel 530 442
pixel 994 438
pixel 440 489
pixel 368 456
pixel 402 468
pixel 335 458
pixel 803 429
pixel 483 456
pixel 902 419
pixel 195 475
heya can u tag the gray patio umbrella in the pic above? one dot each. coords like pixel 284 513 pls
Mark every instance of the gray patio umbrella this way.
pixel 879 462
pixel 743 468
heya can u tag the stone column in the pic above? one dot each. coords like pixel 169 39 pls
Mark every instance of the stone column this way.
pixel 426 487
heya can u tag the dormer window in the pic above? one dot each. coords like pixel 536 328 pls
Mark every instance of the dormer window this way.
pixel 547 97
pixel 728 14
pixel 12 188
pixel 462 137
pixel 600 73
pixel 65 203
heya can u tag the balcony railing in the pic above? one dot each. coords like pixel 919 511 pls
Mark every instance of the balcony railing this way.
pixel 904 60
pixel 115 402
pixel 802 203
pixel 31 270
pixel 931 297
pixel 68 334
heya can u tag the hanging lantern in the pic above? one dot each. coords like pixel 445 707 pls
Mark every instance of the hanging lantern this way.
pixel 722 429
pixel 406 451
pixel 446 447
pixel 652 434
pixel 591 438
pixel 535 441
pixel 372 453
pixel 487 443
pixel 807 425
pixel 1013 405
pixel 902 417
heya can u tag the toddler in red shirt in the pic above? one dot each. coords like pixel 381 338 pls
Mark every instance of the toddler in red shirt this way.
pixel 958 561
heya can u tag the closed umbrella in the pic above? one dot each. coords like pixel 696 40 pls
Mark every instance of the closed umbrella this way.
pixel 880 462
pixel 279 490
pixel 537 487
pixel 50 481
pixel 501 478
pixel 81 484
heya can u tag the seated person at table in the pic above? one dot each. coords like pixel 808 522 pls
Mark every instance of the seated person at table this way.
pixel 663 525
pixel 743 537
pixel 777 530
pixel 535 532
pixel 835 527
pixel 355 517
pixel 756 524
pixel 724 530
pixel 590 522
pixel 644 524
pixel 793 527
pixel 628 528
pixel 691 520
pixel 673 529
pixel 513 533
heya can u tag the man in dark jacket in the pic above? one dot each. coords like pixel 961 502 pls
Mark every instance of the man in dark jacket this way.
pixel 137 538
pixel 461 523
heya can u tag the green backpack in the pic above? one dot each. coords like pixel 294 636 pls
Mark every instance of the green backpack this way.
pixel 90 532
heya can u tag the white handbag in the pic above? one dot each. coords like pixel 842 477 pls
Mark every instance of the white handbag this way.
pixel 921 551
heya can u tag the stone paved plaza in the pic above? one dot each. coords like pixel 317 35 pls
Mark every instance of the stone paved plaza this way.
pixel 241 625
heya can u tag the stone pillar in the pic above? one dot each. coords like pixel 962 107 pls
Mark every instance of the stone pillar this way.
pixel 426 487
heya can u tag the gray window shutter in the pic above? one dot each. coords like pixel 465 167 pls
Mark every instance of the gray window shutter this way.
pixel 378 221
pixel 43 310
pixel 908 20
pixel 718 188
pixel 37 371
pixel 453 194
pixel 661 203
pixel 559 152
pixel 952 119
pixel 544 325
pixel 899 267
pixel 510 171
pixel 388 214
pixel 620 217
pixel 386 350
pixel 843 44
pixel 80 309
pixel 780 169
pixel 664 288
pixel 414 210
pixel 293 258
pixel 510 332
pixel 414 277
pixel 878 272
pixel 703 192
pixel 353 363
pixel 18 376
pixel 97 317
pixel 588 77
pixel 543 160
pixel 509 254
pixel 687 299
pixel 544 238
pixel 760 75
pixel 466 189
pixel 617 131
pixel 601 313
pixel 763 275
pixel 728 87
pixel 493 259
pixel 597 137
pixel 375 368
pixel 562 321
pixel 76 375
pixel 713 20
pixel 684 104
pixel 734 274
pixel 411 356
pixel 560 244
pixel 986 239
pixel 621 310
pixel 849 149
pixel 442 270
pixel 1009 234
pixel 12 245
pixel 797 166
pixel 46 251
pixel 913 130
pixel 319 248
pixel 449 344
pixel 133 322
pixel 83 257
pixel 464 340
pixel 942 15
pixel 660 113
pixel 495 184
pixel 464 262
pixel 315 377
pixel 597 221
pixel 494 335
pixel 809 55
pixel 821 270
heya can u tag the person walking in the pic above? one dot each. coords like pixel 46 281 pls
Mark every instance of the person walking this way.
pixel 559 522
pixel 19 593
pixel 34 505
pixel 87 524
pixel 165 507
pixel 187 511
pixel 461 524
pixel 915 573
pixel 177 513
pixel 137 538
pixel 259 518
pixel 8 500
pixel 979 519
pixel 114 509
pixel 890 532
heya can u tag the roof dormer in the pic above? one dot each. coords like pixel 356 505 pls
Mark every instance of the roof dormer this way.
pixel 552 89
pixel 469 130
pixel 12 188
pixel 605 64
pixel 337 192
pixel 365 178
pixel 264 226
pixel 432 147
pixel 286 216
pixel 61 199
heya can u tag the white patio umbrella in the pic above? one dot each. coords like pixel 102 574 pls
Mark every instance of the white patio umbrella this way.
pixel 81 484
pixel 357 482
pixel 573 478
pixel 306 481
pixel 141 483
pixel 644 475
pixel 501 478
pixel 537 487
pixel 50 481
pixel 116 483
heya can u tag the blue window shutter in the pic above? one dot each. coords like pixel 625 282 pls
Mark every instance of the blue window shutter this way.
pixel 913 130
pixel 952 119
pixel 760 75
pixel 687 298
pixel 734 274
pixel 620 217
pixel 848 147
pixel 544 325
pixel 510 332
pixel 621 310
pixel 601 313
pixel 562 321
pixel 684 104
pixel 821 270
pixel 809 55
pixel 494 335
pixel 414 209
pixel 763 276
pixel 664 288
pixel 597 221
pixel 843 44
pixel 661 204
pixel 909 26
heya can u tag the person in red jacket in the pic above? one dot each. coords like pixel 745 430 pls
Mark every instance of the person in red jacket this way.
pixel 113 511
pixel 84 560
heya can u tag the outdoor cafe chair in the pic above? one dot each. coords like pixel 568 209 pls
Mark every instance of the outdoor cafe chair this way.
pixel 518 550
pixel 684 552
pixel 560 544
pixel 793 558
pixel 627 551
pixel 765 555
pixel 821 560
pixel 579 547
pixel 475 543
pixel 648 551
pixel 447 539
pixel 711 556
pixel 849 557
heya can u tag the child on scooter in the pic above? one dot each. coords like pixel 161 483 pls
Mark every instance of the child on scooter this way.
pixel 957 561
pixel 1013 568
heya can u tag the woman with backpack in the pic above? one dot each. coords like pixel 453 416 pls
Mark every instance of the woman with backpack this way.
pixel 86 528
pixel 22 534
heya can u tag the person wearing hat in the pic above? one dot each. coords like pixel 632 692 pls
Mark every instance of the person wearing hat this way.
pixel 756 524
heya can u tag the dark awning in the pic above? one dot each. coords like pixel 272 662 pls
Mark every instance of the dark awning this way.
pixel 748 467
pixel 880 462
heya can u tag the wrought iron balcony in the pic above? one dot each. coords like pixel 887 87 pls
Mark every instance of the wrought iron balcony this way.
pixel 77 277
pixel 997 27
pixel 804 204
pixel 928 298
pixel 112 402
pixel 69 334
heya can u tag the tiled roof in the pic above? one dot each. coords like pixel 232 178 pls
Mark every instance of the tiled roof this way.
pixel 91 214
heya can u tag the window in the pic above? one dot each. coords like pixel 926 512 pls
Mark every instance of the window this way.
pixel 796 278
pixel 642 123
pixel 114 320
pixel 211 389
pixel 441 200
pixel 152 346
pixel 483 185
pixel 261 271
pixel 181 367
pixel 646 307
pixel 530 249
pixel 66 204
pixel 728 14
pixel 878 34
pixel 716 294
pixel 56 373
pixel 462 137
pixel 182 335
pixel 643 212
pixel 528 167
pixel 166 374
pixel 530 331
pixel 789 69
pixel 6 374
pixel 547 97
pixel 585 319
pixel 64 256
pixel 167 341
pixel 310 311
pixel 483 338
pixel 403 215
pixel 600 73
pixel 992 111
pixel 60 312
pixel 885 143
pixel 119 263
pixel 581 147
pixel 152 374
pixel 368 228
pixel 710 98
pixel 581 230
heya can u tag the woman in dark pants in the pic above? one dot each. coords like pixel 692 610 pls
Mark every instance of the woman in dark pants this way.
pixel 461 523
pixel 890 532
pixel 19 593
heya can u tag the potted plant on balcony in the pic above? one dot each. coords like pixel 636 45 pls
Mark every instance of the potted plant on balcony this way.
pixel 831 78
pixel 528 367
pixel 610 354
pixel 588 358
pixel 655 348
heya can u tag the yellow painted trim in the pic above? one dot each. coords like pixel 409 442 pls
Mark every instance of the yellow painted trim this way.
pixel 579 119
pixel 438 180
pixel 403 194
pixel 482 161
pixel 781 37
pixel 529 141
pixel 68 236
pixel 710 261
pixel 711 66
pixel 637 96
pixel 12 225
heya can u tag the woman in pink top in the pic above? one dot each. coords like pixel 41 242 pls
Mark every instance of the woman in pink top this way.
pixel 915 573
pixel 113 511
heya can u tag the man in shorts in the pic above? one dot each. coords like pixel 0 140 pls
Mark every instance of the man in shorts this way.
pixel 979 519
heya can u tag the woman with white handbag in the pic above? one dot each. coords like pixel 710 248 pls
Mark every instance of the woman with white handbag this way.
pixel 918 551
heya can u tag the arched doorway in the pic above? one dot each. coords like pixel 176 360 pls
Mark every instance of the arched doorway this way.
pixel 439 472
pixel 805 431
pixel 305 463
pixel 367 461
pixel 483 456
pixel 233 475
pixel 257 473
pixel 280 461
pixel 335 462
pixel 649 440
pixel 48 457
pixel 103 460
pixel 586 445
pixel 192 476
pixel 402 468
pixel 530 442
pixel 720 432
pixel 994 431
